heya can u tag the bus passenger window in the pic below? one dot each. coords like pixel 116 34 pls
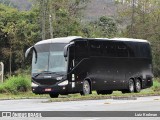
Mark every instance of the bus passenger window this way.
pixel 144 48
pixel 95 48
pixel 109 49
pixel 81 50
pixel 122 50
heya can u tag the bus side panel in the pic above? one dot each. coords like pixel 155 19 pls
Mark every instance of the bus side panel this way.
pixel 120 73
pixel 138 68
pixel 107 73
pixel 101 73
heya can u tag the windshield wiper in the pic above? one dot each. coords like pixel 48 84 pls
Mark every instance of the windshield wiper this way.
pixel 47 72
pixel 41 73
pixel 55 73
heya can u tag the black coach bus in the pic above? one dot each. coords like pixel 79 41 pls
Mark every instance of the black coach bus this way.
pixel 79 65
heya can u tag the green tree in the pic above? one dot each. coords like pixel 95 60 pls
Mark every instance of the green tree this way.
pixel 60 17
pixel 18 30
pixel 104 27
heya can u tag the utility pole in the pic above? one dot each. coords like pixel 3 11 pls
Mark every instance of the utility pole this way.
pixel 43 16
pixel 50 26
pixel 132 21
pixel 10 62
pixel 1 71
pixel 50 22
pixel 50 18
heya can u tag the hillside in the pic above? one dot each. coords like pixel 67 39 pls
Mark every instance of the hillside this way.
pixel 98 8
pixel 94 9
pixel 22 4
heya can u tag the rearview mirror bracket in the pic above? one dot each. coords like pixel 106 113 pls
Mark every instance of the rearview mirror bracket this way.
pixel 30 50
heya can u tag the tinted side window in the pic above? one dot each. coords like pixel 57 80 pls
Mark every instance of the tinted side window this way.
pixel 133 49
pixel 122 50
pixel 145 50
pixel 109 49
pixel 81 49
pixel 96 48
pixel 148 50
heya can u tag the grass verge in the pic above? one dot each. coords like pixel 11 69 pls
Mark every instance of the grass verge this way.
pixel 22 95
pixel 156 85
pixel 94 96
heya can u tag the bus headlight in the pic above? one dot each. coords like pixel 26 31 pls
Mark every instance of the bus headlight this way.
pixel 34 85
pixel 63 83
pixel 59 78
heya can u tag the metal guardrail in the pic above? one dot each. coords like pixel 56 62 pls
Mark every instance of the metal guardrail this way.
pixel 1 71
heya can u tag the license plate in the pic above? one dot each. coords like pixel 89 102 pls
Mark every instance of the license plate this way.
pixel 47 89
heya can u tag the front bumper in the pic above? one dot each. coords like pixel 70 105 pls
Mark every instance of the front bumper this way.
pixel 50 89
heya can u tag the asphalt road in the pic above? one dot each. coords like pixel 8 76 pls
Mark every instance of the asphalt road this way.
pixel 151 103
pixel 126 104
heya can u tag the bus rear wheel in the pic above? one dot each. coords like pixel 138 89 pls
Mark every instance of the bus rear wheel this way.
pixel 53 95
pixel 137 86
pixel 131 86
pixel 86 88
pixel 104 92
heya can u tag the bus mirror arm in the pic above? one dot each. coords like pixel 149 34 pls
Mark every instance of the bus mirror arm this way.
pixel 29 50
pixel 65 58
pixel 66 50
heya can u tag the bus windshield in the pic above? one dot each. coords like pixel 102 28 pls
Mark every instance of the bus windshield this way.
pixel 49 58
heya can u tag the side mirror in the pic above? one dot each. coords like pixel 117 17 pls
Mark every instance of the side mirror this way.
pixel 28 51
pixel 66 49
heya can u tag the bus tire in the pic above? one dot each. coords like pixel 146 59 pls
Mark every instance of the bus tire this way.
pixel 130 86
pixel 86 88
pixel 137 86
pixel 54 95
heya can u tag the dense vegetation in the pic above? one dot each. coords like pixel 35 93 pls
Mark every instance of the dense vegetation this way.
pixel 16 84
pixel 59 18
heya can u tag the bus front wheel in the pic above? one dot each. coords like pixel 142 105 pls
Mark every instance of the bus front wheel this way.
pixel 86 88
pixel 54 95
pixel 137 85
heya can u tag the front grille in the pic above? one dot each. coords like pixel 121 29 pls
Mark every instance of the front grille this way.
pixel 46 81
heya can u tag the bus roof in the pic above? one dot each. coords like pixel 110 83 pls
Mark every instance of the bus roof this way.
pixel 58 40
pixel 120 39
pixel 72 38
pixel 129 39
